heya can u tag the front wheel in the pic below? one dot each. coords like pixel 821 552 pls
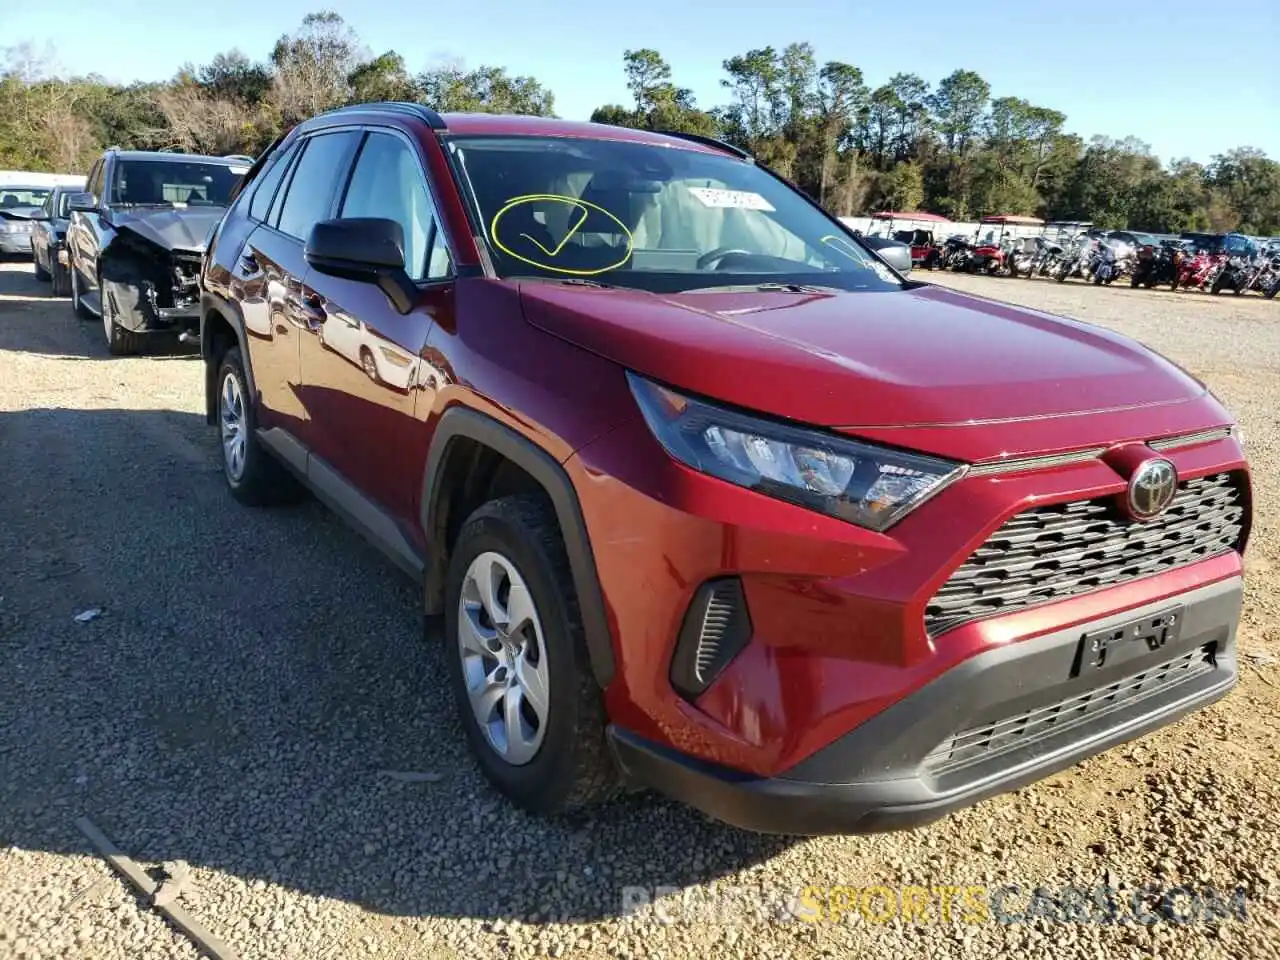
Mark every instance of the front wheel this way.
pixel 531 709
pixel 41 272
pixel 253 475
pixel 120 342
pixel 77 304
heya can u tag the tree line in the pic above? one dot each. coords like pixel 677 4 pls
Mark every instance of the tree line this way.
pixel 951 149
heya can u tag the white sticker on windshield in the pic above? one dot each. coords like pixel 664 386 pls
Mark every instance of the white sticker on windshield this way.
pixel 239 171
pixel 739 199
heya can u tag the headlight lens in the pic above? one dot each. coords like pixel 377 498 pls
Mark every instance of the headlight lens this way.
pixel 871 486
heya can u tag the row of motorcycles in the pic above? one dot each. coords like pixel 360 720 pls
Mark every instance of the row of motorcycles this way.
pixel 1102 260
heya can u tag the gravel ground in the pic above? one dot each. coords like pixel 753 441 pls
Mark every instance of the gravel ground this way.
pixel 253 675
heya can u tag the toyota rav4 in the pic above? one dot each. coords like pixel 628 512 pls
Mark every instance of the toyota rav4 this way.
pixel 710 498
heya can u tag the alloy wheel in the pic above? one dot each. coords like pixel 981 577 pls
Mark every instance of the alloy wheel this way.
pixel 504 662
pixel 231 422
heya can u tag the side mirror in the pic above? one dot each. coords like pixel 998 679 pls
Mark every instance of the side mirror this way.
pixel 82 202
pixel 366 249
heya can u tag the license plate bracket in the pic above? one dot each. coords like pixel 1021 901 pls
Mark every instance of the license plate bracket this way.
pixel 1127 641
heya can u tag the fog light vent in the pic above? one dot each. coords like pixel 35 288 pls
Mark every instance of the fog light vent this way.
pixel 716 627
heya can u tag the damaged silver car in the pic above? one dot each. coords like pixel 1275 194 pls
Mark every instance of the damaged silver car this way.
pixel 136 239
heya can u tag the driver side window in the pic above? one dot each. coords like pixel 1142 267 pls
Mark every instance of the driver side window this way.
pixel 388 183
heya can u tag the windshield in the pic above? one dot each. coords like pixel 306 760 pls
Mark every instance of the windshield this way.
pixel 651 217
pixel 12 198
pixel 174 181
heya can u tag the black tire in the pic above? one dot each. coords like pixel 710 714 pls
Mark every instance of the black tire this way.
pixel 121 342
pixel 263 481
pixel 77 305
pixel 1272 290
pixel 573 767
pixel 61 280
pixel 41 272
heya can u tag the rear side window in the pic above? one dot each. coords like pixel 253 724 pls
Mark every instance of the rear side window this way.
pixel 314 183
pixel 266 189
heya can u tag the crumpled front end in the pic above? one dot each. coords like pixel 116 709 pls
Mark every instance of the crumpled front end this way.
pixel 151 288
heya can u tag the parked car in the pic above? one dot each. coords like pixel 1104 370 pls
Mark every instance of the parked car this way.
pixel 136 238
pixel 893 252
pixel 709 498
pixel 49 239
pixel 18 204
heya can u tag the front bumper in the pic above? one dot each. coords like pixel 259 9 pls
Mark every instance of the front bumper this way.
pixel 995 722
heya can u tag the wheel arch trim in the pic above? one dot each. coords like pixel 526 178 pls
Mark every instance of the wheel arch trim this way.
pixel 460 422
pixel 210 304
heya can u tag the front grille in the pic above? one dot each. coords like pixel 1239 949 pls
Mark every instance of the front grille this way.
pixel 988 740
pixel 1053 552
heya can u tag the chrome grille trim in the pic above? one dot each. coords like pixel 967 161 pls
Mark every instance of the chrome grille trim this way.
pixel 1192 439
pixel 1035 463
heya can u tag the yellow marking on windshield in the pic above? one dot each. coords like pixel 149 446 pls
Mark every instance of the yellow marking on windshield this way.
pixel 567 237
pixel 585 206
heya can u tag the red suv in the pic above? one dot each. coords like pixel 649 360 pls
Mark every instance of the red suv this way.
pixel 710 498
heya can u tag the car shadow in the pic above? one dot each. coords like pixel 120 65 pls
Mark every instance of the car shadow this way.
pixel 35 321
pixel 251 684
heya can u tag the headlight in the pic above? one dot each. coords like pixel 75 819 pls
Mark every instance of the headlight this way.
pixel 871 486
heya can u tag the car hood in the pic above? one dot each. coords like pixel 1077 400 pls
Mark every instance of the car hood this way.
pixel 919 357
pixel 172 228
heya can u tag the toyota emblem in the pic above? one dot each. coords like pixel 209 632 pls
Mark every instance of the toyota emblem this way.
pixel 1151 488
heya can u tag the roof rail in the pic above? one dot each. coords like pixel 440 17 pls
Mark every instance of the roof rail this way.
pixel 708 142
pixel 419 110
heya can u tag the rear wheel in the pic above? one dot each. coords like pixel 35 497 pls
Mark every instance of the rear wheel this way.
pixel 532 711
pixel 61 285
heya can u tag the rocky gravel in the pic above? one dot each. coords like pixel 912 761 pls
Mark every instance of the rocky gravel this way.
pixel 254 675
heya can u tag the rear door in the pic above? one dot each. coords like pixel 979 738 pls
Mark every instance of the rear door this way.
pixel 268 277
pixel 361 358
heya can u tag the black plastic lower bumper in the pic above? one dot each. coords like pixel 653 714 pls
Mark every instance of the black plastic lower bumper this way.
pixel 996 722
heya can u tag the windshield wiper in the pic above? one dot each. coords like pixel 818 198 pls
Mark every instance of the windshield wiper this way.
pixel 571 281
pixel 766 287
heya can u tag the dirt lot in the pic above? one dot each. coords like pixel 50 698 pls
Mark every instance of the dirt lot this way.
pixel 253 676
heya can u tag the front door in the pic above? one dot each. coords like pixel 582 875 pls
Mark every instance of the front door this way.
pixel 276 265
pixel 361 358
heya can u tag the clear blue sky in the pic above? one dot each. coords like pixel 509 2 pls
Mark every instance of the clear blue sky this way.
pixel 1188 77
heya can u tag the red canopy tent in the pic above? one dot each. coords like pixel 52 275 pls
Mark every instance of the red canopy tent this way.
pixel 912 215
pixel 1014 220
